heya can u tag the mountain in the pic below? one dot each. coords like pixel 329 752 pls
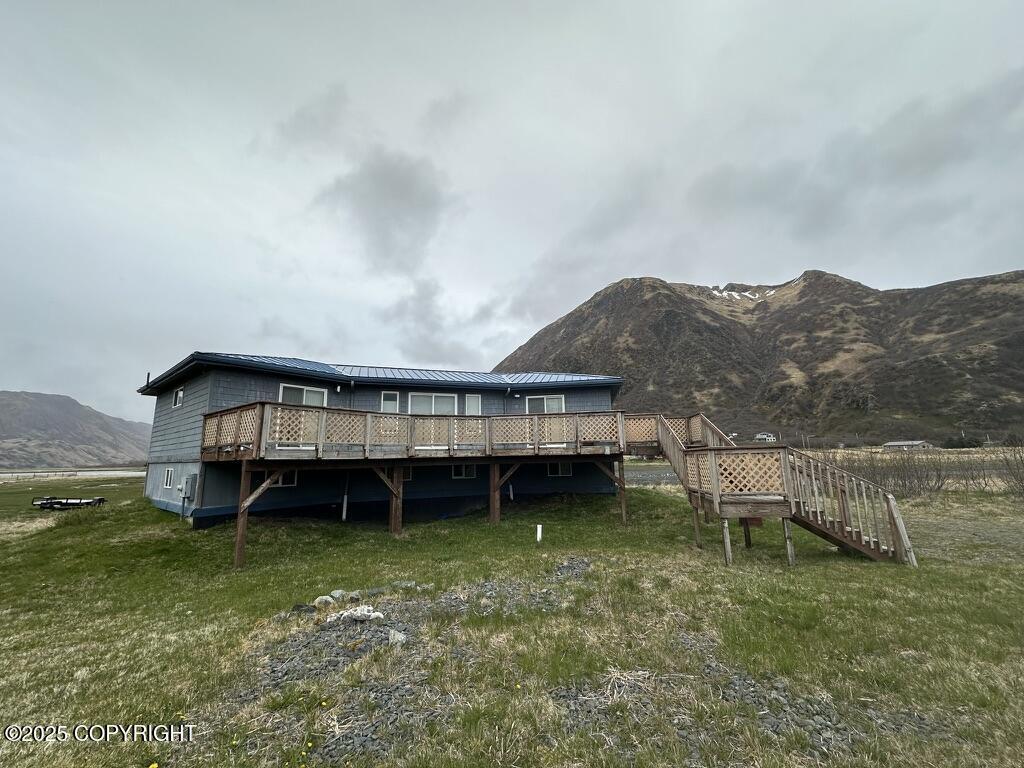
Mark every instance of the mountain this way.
pixel 820 354
pixel 38 430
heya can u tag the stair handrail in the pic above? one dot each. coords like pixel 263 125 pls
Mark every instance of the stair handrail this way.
pixel 819 490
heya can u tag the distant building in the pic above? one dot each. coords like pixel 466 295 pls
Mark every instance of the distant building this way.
pixel 907 445
pixel 765 437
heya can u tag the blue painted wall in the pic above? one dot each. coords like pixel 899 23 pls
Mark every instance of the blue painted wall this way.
pixel 177 437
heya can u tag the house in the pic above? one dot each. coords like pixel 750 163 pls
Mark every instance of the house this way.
pixel 765 437
pixel 907 445
pixel 439 430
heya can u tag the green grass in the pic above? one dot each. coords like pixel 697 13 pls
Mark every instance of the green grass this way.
pixel 123 614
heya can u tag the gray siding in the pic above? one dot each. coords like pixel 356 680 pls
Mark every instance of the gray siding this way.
pixel 177 432
pixel 170 498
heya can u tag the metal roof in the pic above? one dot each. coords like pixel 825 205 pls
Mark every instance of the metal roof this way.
pixel 377 374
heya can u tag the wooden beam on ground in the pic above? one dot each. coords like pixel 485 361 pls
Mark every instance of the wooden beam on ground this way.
pixel 494 505
pixel 395 512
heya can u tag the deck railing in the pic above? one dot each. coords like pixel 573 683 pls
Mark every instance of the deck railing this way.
pixel 642 429
pixel 277 431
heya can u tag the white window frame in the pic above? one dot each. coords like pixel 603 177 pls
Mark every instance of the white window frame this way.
pixel 279 483
pixel 479 405
pixel 467 472
pixel 545 399
pixel 280 393
pixel 177 401
pixel 433 396
pixel 168 477
pixel 406 474
pixel 398 401
pixel 558 465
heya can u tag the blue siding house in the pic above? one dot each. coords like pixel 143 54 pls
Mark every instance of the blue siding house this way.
pixel 260 433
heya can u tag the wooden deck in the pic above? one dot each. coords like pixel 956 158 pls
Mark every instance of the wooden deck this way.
pixel 722 480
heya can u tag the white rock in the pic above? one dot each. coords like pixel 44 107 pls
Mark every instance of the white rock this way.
pixel 396 638
pixel 340 595
pixel 362 613
pixel 323 602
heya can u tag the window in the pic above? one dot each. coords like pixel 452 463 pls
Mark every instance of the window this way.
pixel 389 402
pixel 179 397
pixel 288 479
pixel 545 404
pixel 406 474
pixel 463 471
pixel 427 404
pixel 560 469
pixel 169 477
pixel 293 395
pixel 472 405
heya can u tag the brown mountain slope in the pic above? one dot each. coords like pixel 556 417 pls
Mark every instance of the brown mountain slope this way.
pixel 40 430
pixel 820 353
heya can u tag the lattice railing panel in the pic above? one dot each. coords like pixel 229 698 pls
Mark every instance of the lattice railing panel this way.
pixel 210 425
pixel 704 467
pixel 247 426
pixel 599 428
pixel 517 429
pixel 557 428
pixel 641 429
pixel 692 472
pixel 430 430
pixel 680 427
pixel 695 429
pixel 470 431
pixel 390 430
pixel 294 425
pixel 345 428
pixel 750 472
pixel 226 431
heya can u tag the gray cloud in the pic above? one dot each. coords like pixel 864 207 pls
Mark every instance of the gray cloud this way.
pixel 900 159
pixel 324 124
pixel 443 116
pixel 470 187
pixel 429 330
pixel 395 200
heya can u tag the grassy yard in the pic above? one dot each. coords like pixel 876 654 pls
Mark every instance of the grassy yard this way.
pixel 123 615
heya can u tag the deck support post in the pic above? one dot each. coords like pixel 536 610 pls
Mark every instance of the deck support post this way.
pixel 746 533
pixel 622 486
pixel 494 505
pixel 395 511
pixel 696 524
pixel 242 521
pixel 726 544
pixel 619 478
pixel 245 500
pixel 787 531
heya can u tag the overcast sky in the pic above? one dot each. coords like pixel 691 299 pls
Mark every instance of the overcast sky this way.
pixel 430 183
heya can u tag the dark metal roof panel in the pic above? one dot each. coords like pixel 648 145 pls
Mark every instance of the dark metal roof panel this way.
pixel 380 374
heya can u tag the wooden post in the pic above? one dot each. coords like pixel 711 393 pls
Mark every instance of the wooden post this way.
pixel 696 524
pixel 787 531
pixel 726 544
pixel 242 521
pixel 622 488
pixel 494 509
pixel 746 532
pixel 395 512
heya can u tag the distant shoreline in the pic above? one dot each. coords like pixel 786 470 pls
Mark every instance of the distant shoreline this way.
pixel 85 472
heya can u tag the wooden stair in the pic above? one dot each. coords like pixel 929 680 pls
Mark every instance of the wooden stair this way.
pixel 732 482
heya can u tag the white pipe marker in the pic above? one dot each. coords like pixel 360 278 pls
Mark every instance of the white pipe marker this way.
pixel 540 529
